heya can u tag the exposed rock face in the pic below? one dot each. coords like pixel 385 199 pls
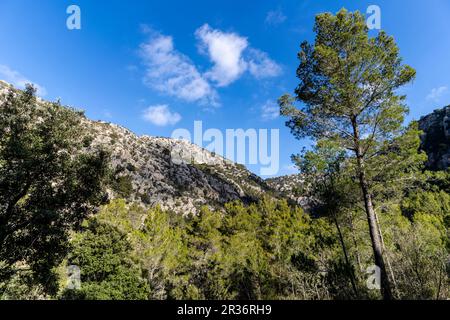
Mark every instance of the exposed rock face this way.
pixel 160 177
pixel 436 138
pixel 174 174
pixel 289 187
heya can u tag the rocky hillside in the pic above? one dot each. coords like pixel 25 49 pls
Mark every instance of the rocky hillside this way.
pixel 174 174
pixel 288 187
pixel 183 177
pixel 436 138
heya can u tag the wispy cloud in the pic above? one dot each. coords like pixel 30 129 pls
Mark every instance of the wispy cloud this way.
pixel 171 72
pixel 160 115
pixel 18 80
pixel 270 111
pixel 225 51
pixel 232 56
pixel 261 66
pixel 437 93
pixel 275 17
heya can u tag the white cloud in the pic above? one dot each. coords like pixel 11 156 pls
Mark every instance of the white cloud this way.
pixel 18 80
pixel 160 115
pixel 232 56
pixel 275 17
pixel 270 111
pixel 225 51
pixel 261 66
pixel 436 93
pixel 172 73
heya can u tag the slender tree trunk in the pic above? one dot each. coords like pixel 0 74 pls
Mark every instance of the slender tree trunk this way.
pixel 371 217
pixel 391 271
pixel 347 260
pixel 374 233
pixel 438 294
pixel 355 243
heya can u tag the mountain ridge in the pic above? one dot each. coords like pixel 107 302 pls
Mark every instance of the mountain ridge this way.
pixel 180 176
pixel 176 175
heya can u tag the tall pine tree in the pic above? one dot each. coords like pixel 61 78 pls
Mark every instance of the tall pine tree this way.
pixel 347 90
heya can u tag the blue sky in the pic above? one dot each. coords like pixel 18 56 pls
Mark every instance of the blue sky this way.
pixel 154 66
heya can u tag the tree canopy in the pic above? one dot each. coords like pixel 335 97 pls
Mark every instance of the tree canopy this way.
pixel 48 185
pixel 348 94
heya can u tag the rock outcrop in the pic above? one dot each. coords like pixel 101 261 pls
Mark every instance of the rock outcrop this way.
pixel 436 138
pixel 289 187
pixel 174 174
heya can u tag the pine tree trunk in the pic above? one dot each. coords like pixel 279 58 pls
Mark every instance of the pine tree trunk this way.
pixel 391 271
pixel 371 216
pixel 347 260
pixel 375 235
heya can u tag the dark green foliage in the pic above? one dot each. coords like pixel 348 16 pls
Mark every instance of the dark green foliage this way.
pixel 103 254
pixel 247 252
pixel 131 167
pixel 47 185
pixel 267 250
pixel 123 185
pixel 145 198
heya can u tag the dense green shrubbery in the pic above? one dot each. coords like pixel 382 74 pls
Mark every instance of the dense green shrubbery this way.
pixel 48 186
pixel 250 252
pixel 107 270
pixel 263 251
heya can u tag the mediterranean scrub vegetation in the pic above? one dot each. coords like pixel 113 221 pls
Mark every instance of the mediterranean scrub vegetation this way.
pixel 372 207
